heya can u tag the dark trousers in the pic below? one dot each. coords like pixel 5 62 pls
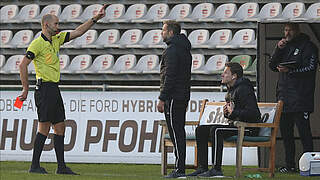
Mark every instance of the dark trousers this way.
pixel 216 134
pixel 175 114
pixel 301 119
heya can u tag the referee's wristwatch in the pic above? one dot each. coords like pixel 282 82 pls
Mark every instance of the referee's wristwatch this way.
pixel 93 20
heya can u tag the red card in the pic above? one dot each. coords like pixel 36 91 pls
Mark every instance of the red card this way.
pixel 18 103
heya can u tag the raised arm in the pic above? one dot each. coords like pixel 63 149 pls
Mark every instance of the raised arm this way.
pixel 80 30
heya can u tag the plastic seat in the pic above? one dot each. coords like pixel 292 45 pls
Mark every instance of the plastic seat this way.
pixel 219 37
pixel 178 12
pixel 72 11
pixel 2 60
pixel 215 64
pixel 241 37
pixel 6 37
pixel 291 11
pixel 12 65
pixel 20 40
pixel 146 63
pixel 202 10
pixel 183 31
pixel 100 64
pixel 31 68
pixel 123 63
pixel 29 11
pixel 37 35
pixel 224 12
pixel 247 12
pixel 68 44
pixel 106 38
pixel 252 44
pixel 8 12
pixel 135 11
pixel 198 62
pixel 88 13
pixel 150 64
pixel 198 37
pixel 312 14
pixel 152 39
pixel 79 63
pixel 244 60
pixel 86 39
pixel 64 62
pixel 114 11
pixel 269 11
pixel 54 9
pixel 252 70
pixel 129 37
pixel 155 13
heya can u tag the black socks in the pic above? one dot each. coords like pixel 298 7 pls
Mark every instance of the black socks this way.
pixel 37 149
pixel 59 148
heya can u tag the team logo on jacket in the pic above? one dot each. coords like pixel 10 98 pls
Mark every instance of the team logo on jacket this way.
pixel 306 115
pixel 296 52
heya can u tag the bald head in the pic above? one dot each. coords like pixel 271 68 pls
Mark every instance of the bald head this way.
pixel 50 24
pixel 48 18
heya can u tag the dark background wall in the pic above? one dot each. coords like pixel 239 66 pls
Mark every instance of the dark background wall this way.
pixel 269 35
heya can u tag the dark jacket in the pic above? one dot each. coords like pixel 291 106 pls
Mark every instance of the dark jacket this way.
pixel 175 70
pixel 245 102
pixel 296 87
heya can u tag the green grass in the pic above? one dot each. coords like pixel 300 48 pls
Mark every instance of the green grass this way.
pixel 13 170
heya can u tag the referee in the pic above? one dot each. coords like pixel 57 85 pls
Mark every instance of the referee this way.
pixel 44 52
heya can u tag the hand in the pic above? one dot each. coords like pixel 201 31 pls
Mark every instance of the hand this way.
pixel 282 68
pixel 230 107
pixel 160 106
pixel 282 43
pixel 24 95
pixel 101 13
pixel 225 110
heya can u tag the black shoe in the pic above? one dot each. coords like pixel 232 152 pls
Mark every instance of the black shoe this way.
pixel 39 170
pixel 210 173
pixel 65 170
pixel 197 172
pixel 176 174
pixel 288 170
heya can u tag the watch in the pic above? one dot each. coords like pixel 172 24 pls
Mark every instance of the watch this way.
pixel 93 20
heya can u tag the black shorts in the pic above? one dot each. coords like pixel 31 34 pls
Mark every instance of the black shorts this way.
pixel 49 103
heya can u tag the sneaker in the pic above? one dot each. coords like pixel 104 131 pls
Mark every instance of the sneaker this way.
pixel 210 173
pixel 197 172
pixel 65 170
pixel 39 170
pixel 176 174
pixel 288 170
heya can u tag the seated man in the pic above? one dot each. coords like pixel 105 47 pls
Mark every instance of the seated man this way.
pixel 241 105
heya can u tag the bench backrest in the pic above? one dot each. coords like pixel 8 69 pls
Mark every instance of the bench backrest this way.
pixel 212 114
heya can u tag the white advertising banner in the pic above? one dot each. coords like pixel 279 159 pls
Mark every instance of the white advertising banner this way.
pixel 101 127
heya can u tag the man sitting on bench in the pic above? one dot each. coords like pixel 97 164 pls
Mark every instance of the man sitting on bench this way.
pixel 241 105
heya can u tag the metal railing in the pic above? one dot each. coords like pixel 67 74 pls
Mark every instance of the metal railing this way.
pixel 106 87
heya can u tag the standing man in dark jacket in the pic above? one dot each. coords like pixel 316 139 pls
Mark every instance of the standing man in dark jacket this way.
pixel 296 86
pixel 241 105
pixel 175 82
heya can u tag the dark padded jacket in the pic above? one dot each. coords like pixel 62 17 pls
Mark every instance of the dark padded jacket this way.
pixel 175 70
pixel 296 87
pixel 245 102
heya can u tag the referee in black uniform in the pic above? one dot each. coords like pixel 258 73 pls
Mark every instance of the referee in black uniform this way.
pixel 44 52
pixel 175 82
